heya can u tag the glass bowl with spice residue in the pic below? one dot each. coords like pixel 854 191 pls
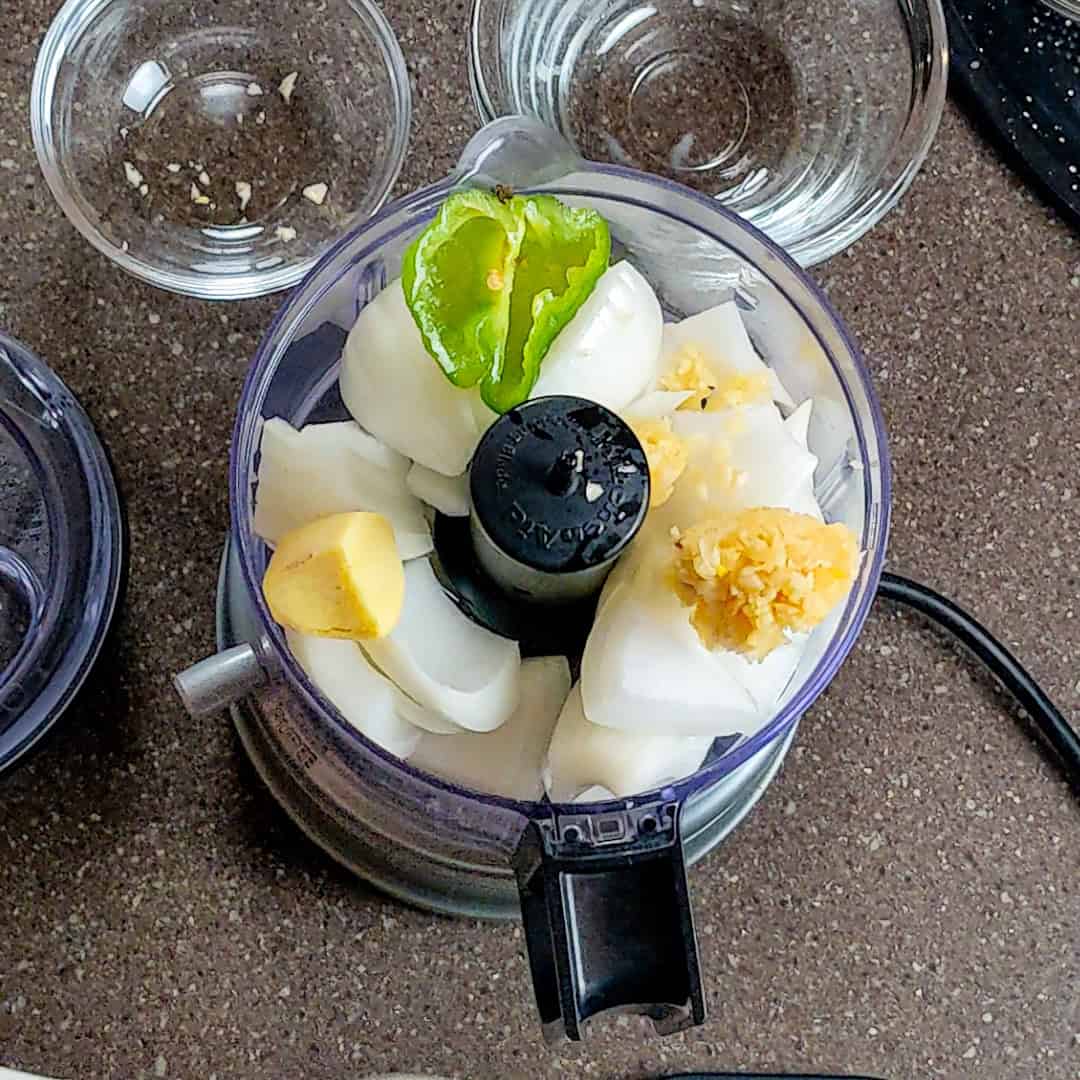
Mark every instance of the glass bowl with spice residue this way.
pixel 808 120
pixel 217 150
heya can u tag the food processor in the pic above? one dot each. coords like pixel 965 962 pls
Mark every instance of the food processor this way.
pixel 601 886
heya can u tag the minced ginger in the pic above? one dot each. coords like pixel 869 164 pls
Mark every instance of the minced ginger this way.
pixel 754 576
pixel 666 454
pixel 339 576
pixel 712 386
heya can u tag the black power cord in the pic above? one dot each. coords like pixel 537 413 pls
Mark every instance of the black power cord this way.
pixel 1002 664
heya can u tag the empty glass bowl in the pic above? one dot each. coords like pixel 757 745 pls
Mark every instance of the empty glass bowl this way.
pixel 218 149
pixel 808 120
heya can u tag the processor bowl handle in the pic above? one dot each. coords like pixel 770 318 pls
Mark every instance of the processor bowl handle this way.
pixel 608 922
pixel 221 680
pixel 516 152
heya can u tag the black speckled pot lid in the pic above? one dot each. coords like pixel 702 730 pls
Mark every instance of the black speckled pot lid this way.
pixel 1016 69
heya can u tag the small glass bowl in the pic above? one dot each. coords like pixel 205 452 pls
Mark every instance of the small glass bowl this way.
pixel 807 119
pixel 191 143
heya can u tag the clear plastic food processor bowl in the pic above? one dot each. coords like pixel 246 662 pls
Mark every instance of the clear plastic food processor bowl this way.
pixel 419 838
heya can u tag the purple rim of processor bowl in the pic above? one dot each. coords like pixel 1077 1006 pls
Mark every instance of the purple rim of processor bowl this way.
pixel 67 632
pixel 772 262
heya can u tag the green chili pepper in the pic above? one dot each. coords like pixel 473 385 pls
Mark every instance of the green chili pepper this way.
pixel 563 253
pixel 457 276
pixel 492 281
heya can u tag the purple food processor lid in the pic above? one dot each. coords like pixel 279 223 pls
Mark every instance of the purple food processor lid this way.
pixel 61 548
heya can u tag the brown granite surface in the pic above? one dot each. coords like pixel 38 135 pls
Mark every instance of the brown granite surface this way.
pixel 904 902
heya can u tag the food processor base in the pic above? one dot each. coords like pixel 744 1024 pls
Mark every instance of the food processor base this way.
pixel 488 892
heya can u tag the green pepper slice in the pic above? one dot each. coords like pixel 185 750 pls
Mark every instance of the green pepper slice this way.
pixel 562 254
pixel 457 277
pixel 492 281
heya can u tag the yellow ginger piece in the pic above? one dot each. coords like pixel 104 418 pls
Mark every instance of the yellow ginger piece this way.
pixel 340 577
pixel 713 386
pixel 666 454
pixel 753 576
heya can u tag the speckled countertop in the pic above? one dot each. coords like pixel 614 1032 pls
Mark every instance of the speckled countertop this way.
pixel 904 902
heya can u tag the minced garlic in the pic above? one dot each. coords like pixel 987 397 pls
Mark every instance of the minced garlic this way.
pixel 755 576
pixel 134 177
pixel 666 454
pixel 712 385
pixel 734 389
pixel 287 86
pixel 690 371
